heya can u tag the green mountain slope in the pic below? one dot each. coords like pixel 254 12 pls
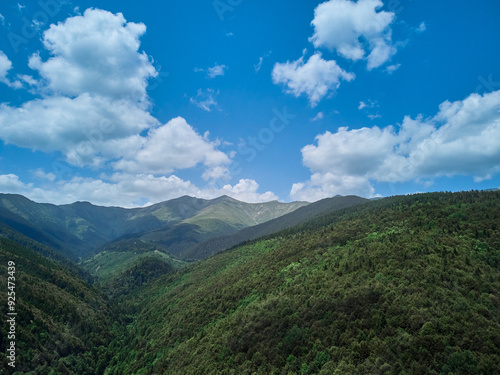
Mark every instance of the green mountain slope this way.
pixel 78 229
pixel 242 215
pixel 214 245
pixel 405 285
pixel 63 325
pixel 118 272
pixel 224 217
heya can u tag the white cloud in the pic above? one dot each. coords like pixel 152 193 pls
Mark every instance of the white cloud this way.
pixel 205 99
pixel 93 91
pixel 392 68
pixel 216 70
pixel 173 146
pixel 367 106
pixel 122 190
pixel 2 19
pixel 5 66
pixel 318 117
pixel 422 27
pixel 354 29
pixel 40 174
pixel 95 53
pixel 258 66
pixel 84 129
pixel 349 151
pixel 246 190
pixel 28 79
pixel 10 183
pixel 462 139
pixel 315 78
pixel 98 119
pixel 328 185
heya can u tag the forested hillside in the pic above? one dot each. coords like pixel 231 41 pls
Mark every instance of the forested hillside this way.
pixel 63 325
pixel 404 285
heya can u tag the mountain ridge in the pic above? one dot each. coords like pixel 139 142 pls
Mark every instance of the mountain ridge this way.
pixel 79 228
pixel 301 214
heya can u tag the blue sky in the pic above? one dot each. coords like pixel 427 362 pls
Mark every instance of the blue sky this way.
pixel 130 103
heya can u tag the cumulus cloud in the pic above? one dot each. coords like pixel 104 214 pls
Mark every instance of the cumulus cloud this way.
pixel 11 183
pixel 355 30
pixel 95 53
pixel 81 128
pixel 461 139
pixel 325 185
pixel 175 145
pixel 246 190
pixel 92 91
pixel 315 78
pixel 5 67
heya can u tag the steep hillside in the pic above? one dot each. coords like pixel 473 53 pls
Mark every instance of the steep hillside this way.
pixel 63 325
pixel 214 245
pixel 119 271
pixel 405 285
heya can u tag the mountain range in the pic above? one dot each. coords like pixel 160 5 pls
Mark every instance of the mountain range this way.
pixel 79 229
pixel 400 285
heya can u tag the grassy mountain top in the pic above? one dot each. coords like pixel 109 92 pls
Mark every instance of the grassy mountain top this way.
pixel 405 285
pixel 242 215
pixel 306 212
pixel 77 230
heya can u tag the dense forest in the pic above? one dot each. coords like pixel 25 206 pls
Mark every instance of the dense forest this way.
pixel 401 285
pixel 63 324
pixel 404 285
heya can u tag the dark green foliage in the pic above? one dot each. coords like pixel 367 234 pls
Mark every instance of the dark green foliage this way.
pixel 404 285
pixel 62 322
pixel 142 272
